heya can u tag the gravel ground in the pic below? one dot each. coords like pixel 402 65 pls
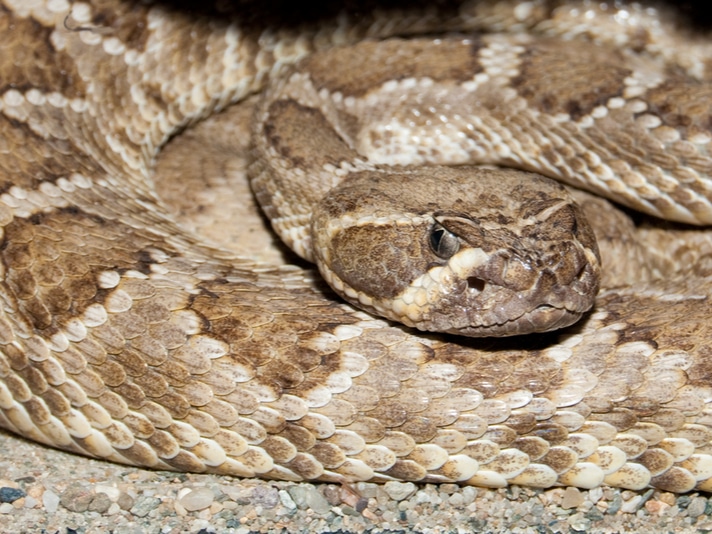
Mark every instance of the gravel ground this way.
pixel 46 491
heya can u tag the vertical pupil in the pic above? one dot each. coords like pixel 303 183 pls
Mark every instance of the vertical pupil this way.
pixel 443 243
pixel 436 238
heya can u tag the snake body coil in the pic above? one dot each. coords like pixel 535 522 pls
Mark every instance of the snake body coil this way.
pixel 124 337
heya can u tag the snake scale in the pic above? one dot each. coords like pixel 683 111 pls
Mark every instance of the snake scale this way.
pixel 124 337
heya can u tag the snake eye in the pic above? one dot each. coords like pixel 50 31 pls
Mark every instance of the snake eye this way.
pixel 443 242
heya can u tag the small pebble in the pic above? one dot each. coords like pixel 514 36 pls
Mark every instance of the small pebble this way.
pixel 594 514
pixel 50 501
pixel 347 510
pixel 100 503
pixel 683 501
pixel 399 490
pixel 10 494
pixel 286 499
pixel 76 498
pixel 615 504
pixel 656 507
pixel 668 498
pixel 178 507
pixel 573 498
pixel 469 494
pixel 579 523
pixel 197 499
pixel 697 507
pixel 367 490
pixel 299 496
pixel 595 494
pixel 632 505
pixel 332 494
pixel 422 497
pixel 265 496
pixel 456 500
pixel 449 489
pixel 125 501
pixel 144 505
pixel 317 502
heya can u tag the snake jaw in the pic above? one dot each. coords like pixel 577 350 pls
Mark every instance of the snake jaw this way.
pixel 472 295
pixel 469 296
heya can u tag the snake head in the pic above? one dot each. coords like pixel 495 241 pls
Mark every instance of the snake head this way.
pixel 469 251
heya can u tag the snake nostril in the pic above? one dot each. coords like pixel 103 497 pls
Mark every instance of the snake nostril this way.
pixel 475 284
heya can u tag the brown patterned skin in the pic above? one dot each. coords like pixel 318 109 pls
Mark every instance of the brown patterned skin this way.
pixel 512 253
pixel 124 337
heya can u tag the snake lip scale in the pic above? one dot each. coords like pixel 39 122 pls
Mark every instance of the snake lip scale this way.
pixel 126 336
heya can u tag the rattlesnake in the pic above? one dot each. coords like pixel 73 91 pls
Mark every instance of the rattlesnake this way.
pixel 125 337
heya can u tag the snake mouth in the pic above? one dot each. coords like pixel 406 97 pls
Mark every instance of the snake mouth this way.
pixel 479 295
pixel 543 318
pixel 470 312
pixel 484 301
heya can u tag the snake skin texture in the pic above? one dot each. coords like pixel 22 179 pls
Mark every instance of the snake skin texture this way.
pixel 124 336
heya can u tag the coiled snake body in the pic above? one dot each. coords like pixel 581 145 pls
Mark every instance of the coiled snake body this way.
pixel 123 337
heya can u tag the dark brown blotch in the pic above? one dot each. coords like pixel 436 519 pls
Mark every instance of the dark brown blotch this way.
pixel 356 70
pixel 304 136
pixel 682 103
pixel 35 62
pixel 573 79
